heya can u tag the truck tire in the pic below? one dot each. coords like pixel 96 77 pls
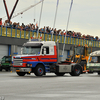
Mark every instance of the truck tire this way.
pixel 21 73
pixel 7 69
pixel 72 74
pixel 0 68
pixel 76 70
pixel 39 71
pixel 98 73
pixel 60 74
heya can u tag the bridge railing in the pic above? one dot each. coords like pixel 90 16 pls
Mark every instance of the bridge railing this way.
pixel 18 33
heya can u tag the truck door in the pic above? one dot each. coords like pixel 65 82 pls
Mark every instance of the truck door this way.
pixel 48 54
pixel 45 50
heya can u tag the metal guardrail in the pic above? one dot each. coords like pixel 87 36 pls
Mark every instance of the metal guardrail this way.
pixel 18 33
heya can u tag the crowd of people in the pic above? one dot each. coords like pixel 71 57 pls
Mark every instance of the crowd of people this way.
pixel 49 30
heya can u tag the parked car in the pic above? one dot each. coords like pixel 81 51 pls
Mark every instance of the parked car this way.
pixel 6 63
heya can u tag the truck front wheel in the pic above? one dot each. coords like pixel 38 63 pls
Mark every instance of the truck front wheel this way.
pixel 21 73
pixel 39 71
pixel 0 68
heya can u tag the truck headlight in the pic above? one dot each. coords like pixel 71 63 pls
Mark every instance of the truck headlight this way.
pixel 28 65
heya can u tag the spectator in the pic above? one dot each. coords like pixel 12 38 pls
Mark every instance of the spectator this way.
pixel 52 31
pixel 97 38
pixel 47 29
pixel 23 25
pixel 73 34
pixel 41 30
pixel 84 36
pixel 63 32
pixel 33 27
pixel 17 26
pixel 59 31
pixel 79 34
pixel 27 28
pixel 5 23
pixel 55 31
pixel 14 25
pixel 37 28
pixel 0 21
pixel 44 29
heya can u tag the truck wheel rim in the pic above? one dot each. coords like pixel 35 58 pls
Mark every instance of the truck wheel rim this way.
pixel 40 70
pixel 77 71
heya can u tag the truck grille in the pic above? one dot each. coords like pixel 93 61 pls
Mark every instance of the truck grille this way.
pixel 18 62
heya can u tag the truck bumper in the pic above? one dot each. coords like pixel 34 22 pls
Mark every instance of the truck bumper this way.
pixel 23 70
pixel 93 69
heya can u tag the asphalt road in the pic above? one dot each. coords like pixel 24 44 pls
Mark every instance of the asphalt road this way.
pixel 49 87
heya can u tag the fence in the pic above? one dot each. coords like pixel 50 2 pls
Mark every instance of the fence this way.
pixel 18 33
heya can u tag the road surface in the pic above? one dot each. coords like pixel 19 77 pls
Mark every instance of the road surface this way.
pixel 49 87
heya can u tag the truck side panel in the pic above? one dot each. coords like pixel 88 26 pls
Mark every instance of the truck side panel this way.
pixel 35 63
pixel 64 68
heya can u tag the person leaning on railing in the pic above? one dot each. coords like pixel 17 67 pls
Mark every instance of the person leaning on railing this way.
pixel 0 21
pixel 33 27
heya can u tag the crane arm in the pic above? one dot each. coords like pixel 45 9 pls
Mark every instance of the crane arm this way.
pixel 27 9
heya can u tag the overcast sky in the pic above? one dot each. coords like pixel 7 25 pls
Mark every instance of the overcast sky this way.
pixel 84 18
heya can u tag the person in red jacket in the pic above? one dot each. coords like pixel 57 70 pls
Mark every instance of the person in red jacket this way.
pixel 0 21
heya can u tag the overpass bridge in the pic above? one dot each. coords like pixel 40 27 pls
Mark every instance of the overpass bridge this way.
pixel 11 41
pixel 22 34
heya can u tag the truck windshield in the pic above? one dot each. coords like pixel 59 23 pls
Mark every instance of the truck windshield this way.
pixel 94 59
pixel 79 50
pixel 31 50
pixel 6 59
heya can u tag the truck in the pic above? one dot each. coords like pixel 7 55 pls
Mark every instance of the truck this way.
pixel 41 57
pixel 80 55
pixel 6 63
pixel 93 64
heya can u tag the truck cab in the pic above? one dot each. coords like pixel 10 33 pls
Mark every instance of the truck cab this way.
pixel 36 53
pixel 41 57
pixel 6 63
pixel 93 64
